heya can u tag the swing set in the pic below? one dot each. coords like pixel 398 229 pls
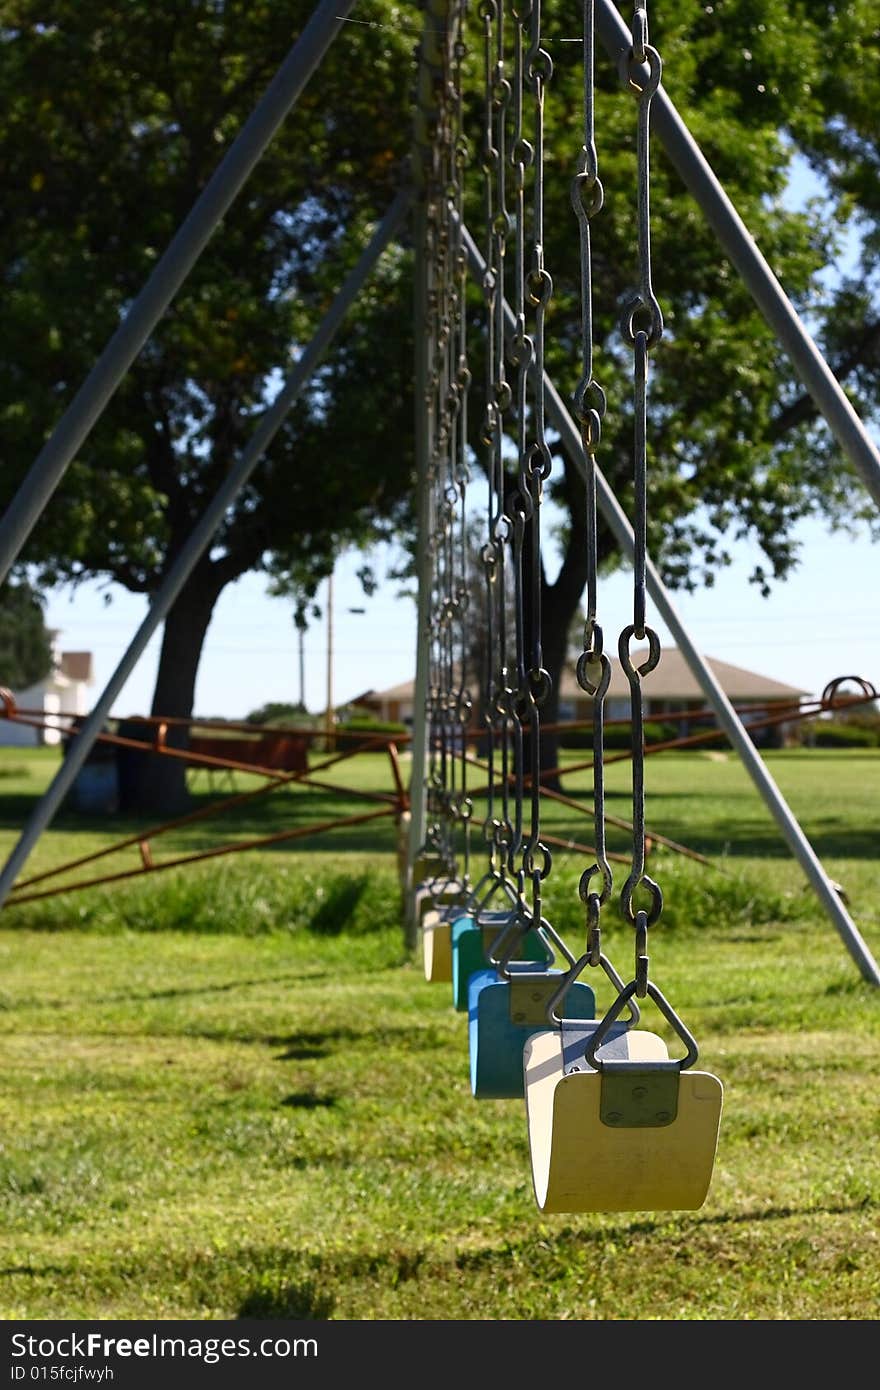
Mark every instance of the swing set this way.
pixel 614 1122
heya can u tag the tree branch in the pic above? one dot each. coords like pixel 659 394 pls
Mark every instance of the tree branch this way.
pixel 804 409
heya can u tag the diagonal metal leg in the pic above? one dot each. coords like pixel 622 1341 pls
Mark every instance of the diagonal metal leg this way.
pixel 758 278
pixel 169 274
pixel 727 716
pixel 200 538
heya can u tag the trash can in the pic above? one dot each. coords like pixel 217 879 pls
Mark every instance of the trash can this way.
pixel 95 790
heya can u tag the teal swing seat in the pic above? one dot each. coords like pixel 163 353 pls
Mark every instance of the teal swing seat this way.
pixel 471 944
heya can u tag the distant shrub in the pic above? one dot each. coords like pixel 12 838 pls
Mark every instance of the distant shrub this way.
pixel 618 735
pixel 364 724
pixel 833 735
pixel 278 712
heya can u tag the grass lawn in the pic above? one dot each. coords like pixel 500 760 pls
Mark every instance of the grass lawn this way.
pixel 229 1091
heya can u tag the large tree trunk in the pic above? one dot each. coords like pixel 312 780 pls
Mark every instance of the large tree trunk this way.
pixel 151 783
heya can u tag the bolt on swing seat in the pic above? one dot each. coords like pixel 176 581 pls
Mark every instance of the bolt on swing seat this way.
pixel 617 1125
pixel 507 1004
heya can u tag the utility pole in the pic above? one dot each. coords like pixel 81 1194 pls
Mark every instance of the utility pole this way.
pixel 331 741
pixel 301 634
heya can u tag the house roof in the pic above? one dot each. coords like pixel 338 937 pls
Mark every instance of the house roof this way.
pixel 672 679
pixel 403 691
pixel 78 666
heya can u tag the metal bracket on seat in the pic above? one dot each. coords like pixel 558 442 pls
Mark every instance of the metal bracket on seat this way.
pixel 530 996
pixel 639 1095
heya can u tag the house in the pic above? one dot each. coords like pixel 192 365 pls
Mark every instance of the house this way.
pixel 392 706
pixel 670 691
pixel 63 691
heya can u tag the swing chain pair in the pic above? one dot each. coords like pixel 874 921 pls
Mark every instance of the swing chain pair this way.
pixel 449 378
pixel 593 667
pixel 641 327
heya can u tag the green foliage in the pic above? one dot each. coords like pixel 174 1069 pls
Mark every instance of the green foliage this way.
pixel 369 724
pixel 619 735
pixel 25 641
pixel 278 712
pixel 235 899
pixel 111 129
pixel 835 734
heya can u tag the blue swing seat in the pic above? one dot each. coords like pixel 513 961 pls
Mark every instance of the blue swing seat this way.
pixel 503 1014
pixel 470 945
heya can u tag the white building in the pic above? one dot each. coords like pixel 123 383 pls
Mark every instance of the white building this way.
pixel 63 691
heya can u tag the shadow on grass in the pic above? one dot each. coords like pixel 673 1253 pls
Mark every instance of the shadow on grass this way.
pixel 305 1045
pixel 301 1300
pixel 309 1100
pixel 339 906
pixel 128 996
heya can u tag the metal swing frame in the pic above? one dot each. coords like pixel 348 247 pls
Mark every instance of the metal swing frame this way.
pixel 174 266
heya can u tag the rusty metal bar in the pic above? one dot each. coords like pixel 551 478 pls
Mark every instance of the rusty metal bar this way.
pixel 203 813
pixel 298 834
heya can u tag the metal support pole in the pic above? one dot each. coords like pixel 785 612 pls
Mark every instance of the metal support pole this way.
pixel 199 539
pixel 769 296
pixel 172 269
pixel 328 716
pixel 419 746
pixel 727 716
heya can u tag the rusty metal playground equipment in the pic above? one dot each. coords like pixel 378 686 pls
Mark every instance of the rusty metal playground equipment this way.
pixel 435 805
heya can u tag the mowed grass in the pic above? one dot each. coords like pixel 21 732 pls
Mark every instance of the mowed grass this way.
pixel 229 1092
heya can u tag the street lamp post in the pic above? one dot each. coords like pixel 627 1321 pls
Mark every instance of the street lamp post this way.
pixel 329 725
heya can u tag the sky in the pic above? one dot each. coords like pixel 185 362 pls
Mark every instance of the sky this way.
pixel 824 622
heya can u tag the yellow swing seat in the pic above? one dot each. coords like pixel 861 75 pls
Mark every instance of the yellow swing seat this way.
pixel 437 943
pixel 638 1135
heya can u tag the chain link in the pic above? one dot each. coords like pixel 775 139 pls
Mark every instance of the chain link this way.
pixel 642 326
pixel 593 667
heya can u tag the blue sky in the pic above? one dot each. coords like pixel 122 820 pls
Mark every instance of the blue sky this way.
pixel 822 623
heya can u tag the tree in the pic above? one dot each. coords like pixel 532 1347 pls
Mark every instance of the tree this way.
pixel 277 712
pixel 25 641
pixel 115 116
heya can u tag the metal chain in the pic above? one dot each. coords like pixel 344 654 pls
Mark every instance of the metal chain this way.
pixel 532 69
pixel 497 827
pixel 449 379
pixel 593 667
pixel 642 326
pixel 463 806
